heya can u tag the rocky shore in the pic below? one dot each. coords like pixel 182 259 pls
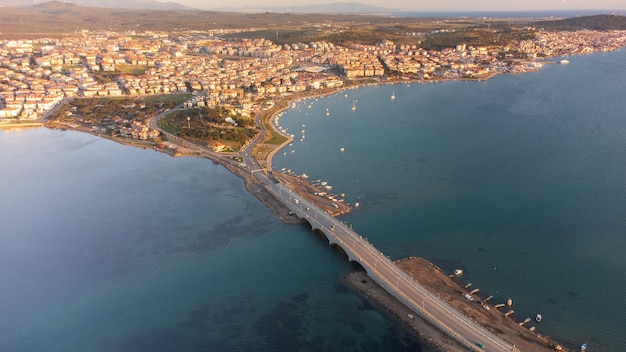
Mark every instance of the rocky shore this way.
pixel 446 288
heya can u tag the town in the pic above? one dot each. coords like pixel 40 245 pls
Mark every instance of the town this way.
pixel 245 76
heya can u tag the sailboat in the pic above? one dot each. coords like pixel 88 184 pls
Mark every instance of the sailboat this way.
pixel 353 105
pixel 393 95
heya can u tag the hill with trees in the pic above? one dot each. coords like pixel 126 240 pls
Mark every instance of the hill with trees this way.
pixel 597 22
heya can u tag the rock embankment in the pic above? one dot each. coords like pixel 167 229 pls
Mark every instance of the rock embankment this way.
pixel 446 288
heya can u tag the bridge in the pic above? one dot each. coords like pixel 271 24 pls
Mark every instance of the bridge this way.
pixel 378 266
pixel 388 275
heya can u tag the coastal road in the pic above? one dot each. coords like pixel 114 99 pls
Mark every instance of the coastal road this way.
pixel 393 279
pixel 378 266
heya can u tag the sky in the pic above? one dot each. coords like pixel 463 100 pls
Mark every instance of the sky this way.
pixel 426 5
pixel 408 5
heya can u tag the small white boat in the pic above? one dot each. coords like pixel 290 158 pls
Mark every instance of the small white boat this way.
pixel 342 149
pixel 564 61
pixel 354 105
pixel 458 272
pixel 393 95
pixel 538 318
pixel 583 347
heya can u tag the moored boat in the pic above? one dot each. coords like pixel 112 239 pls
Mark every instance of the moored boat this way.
pixel 538 318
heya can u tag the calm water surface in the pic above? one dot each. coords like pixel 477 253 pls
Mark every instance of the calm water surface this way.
pixel 111 248
pixel 518 180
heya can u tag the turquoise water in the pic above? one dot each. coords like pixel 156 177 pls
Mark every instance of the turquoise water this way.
pixel 111 248
pixel 518 180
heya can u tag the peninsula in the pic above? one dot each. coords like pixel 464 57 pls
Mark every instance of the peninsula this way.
pixel 214 93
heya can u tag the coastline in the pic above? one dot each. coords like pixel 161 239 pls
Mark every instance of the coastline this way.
pixel 423 271
pixel 425 332
pixel 446 288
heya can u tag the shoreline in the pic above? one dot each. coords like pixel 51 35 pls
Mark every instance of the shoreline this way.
pixel 423 330
pixel 435 339
pixel 441 284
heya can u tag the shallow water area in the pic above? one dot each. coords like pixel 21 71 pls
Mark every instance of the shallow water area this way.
pixel 517 180
pixel 111 248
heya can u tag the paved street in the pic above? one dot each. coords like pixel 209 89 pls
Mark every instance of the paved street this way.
pixel 392 278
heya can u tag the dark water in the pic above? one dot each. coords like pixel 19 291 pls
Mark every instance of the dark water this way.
pixel 110 248
pixel 510 14
pixel 519 180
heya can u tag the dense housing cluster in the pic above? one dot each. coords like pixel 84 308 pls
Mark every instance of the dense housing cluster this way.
pixel 243 75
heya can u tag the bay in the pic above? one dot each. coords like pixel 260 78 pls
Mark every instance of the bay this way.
pixel 106 247
pixel 518 180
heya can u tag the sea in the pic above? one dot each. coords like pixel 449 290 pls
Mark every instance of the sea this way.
pixel 537 14
pixel 520 181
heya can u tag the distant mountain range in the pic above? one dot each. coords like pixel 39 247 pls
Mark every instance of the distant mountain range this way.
pixel 122 4
pixel 335 7
pixel 57 18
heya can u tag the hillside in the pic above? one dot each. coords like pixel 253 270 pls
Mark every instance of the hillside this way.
pixel 127 4
pixel 334 7
pixel 597 22
pixel 56 18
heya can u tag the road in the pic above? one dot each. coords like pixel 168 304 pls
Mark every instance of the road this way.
pixel 378 266
pixel 387 274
